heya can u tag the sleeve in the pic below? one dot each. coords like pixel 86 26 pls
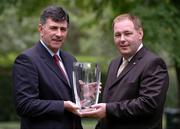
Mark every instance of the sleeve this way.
pixel 26 91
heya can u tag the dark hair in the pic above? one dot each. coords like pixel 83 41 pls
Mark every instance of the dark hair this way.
pixel 55 13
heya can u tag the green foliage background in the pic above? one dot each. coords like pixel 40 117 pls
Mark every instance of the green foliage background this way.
pixel 90 36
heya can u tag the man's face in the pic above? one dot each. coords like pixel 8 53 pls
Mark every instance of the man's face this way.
pixel 53 34
pixel 127 39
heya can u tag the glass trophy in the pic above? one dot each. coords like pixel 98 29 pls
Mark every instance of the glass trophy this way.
pixel 86 82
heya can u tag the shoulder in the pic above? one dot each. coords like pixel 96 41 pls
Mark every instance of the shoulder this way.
pixel 27 54
pixel 116 59
pixel 34 50
pixel 151 59
pixel 150 56
pixel 114 63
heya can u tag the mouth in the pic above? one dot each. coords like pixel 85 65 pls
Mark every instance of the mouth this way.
pixel 124 46
pixel 57 40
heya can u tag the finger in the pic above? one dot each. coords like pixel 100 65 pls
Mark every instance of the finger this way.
pixel 79 113
pixel 89 113
pixel 75 106
pixel 96 106
pixel 81 82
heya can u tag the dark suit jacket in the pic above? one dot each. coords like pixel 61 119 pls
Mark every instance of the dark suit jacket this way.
pixel 136 98
pixel 39 90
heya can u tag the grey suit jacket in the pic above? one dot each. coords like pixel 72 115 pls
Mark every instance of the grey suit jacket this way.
pixel 135 99
pixel 39 90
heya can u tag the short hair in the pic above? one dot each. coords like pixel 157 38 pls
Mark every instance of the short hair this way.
pixel 55 13
pixel 136 21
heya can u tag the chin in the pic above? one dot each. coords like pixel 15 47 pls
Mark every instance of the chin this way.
pixel 56 45
pixel 125 54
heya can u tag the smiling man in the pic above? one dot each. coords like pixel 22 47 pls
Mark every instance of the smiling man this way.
pixel 42 77
pixel 137 82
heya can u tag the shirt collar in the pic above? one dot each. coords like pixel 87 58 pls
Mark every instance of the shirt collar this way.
pixel 49 50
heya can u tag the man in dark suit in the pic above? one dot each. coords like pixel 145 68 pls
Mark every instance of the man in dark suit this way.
pixel 136 85
pixel 42 86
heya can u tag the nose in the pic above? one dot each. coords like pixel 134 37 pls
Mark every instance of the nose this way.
pixel 122 38
pixel 58 33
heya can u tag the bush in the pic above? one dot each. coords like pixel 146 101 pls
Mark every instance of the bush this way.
pixel 7 110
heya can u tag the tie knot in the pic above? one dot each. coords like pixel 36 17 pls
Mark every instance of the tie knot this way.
pixel 122 66
pixel 125 61
pixel 56 58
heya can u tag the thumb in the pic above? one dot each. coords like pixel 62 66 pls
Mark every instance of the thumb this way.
pixel 96 106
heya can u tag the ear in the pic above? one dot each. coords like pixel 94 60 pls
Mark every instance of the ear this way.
pixel 141 33
pixel 40 27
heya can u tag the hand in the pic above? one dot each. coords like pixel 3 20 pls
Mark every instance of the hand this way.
pixel 99 112
pixel 71 107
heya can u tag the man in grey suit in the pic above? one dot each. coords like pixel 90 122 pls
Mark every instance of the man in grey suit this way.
pixel 136 85
pixel 42 77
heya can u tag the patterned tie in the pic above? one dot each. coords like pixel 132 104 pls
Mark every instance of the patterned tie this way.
pixel 56 60
pixel 122 66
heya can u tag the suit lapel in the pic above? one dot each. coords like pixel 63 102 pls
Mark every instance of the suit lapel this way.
pixel 112 73
pixel 134 61
pixel 68 66
pixel 130 65
pixel 115 68
pixel 47 58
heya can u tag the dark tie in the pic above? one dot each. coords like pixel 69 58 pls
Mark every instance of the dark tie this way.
pixel 56 60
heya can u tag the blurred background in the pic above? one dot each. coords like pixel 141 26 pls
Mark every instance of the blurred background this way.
pixel 90 39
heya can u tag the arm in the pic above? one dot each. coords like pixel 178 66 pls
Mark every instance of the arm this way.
pixel 27 94
pixel 153 84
